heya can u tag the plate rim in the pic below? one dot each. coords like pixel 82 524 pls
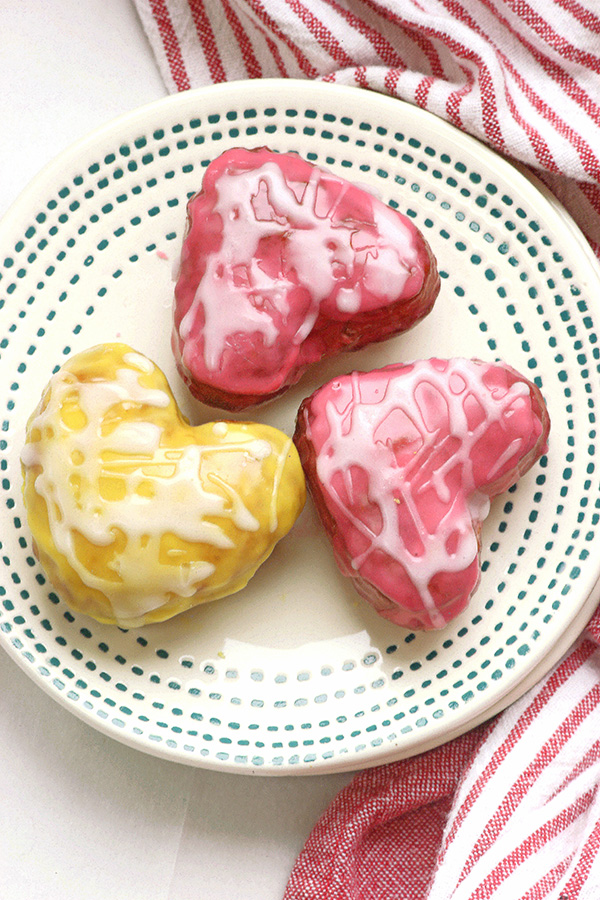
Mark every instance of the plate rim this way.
pixel 508 169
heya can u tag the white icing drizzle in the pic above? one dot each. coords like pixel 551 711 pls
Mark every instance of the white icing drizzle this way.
pixel 435 418
pixel 273 522
pixel 257 204
pixel 220 429
pixel 139 361
pixel 162 491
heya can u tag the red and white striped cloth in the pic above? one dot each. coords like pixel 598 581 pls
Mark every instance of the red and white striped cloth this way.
pixel 510 811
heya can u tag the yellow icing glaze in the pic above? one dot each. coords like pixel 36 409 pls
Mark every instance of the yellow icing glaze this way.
pixel 135 514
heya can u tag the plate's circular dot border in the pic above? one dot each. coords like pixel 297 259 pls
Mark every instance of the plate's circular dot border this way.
pixel 134 157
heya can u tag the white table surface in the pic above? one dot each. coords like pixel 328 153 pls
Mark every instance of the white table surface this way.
pixel 82 816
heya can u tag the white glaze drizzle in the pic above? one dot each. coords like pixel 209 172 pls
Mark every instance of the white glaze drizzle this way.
pixel 351 443
pixel 273 523
pixel 163 491
pixel 260 203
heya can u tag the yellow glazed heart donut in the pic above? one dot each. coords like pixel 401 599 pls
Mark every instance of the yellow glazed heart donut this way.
pixel 135 514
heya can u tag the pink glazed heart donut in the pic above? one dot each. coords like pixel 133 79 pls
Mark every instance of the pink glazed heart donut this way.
pixel 283 264
pixel 402 463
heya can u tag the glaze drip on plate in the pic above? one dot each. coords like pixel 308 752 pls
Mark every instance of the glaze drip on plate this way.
pixel 143 512
pixel 284 263
pixel 402 463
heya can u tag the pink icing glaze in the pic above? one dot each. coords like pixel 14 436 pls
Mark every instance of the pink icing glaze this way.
pixel 283 264
pixel 402 463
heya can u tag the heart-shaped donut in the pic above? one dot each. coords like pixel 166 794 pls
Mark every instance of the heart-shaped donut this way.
pixel 135 514
pixel 402 463
pixel 283 264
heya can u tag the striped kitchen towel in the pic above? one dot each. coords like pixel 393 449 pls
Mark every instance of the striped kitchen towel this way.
pixel 511 810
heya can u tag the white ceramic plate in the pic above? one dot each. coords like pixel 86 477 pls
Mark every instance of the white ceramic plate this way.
pixel 296 674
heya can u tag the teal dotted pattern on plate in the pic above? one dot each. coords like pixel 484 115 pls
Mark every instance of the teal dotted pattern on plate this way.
pixel 89 257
